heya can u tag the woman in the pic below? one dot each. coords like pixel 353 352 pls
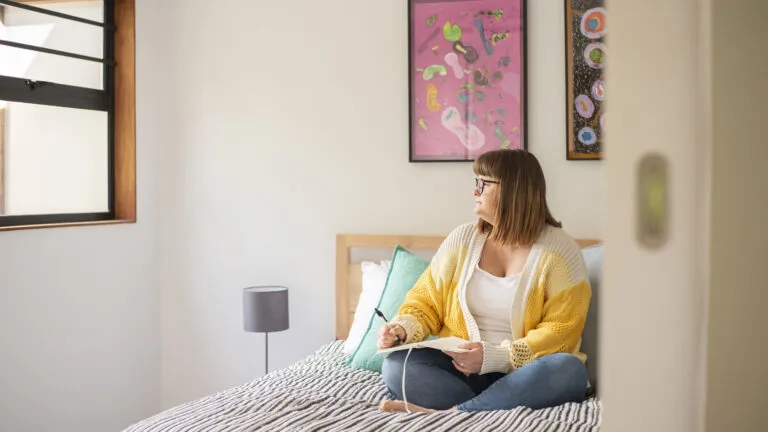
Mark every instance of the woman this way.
pixel 515 285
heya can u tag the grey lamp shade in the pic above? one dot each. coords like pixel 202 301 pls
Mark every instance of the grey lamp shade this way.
pixel 265 309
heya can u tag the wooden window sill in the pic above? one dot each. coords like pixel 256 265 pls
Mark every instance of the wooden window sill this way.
pixel 68 224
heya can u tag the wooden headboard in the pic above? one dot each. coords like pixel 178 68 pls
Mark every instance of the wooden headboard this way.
pixel 349 275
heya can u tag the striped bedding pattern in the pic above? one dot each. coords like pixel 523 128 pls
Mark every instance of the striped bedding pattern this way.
pixel 321 393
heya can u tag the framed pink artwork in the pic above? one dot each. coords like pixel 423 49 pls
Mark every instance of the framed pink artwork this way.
pixel 467 78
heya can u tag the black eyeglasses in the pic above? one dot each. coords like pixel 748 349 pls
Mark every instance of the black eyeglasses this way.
pixel 480 184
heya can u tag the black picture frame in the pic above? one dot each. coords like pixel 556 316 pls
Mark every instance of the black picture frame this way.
pixel 413 122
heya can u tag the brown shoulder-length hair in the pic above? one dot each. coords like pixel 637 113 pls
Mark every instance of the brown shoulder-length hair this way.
pixel 522 211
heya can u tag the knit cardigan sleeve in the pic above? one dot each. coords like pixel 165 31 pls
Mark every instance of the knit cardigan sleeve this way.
pixel 423 312
pixel 556 312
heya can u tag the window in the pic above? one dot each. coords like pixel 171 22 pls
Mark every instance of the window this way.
pixel 67 120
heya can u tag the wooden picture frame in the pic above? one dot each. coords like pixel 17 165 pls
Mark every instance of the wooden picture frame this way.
pixel 585 50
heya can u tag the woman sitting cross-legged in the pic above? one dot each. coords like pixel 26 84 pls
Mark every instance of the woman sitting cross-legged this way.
pixel 515 285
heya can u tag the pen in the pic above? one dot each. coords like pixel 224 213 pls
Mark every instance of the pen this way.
pixel 381 315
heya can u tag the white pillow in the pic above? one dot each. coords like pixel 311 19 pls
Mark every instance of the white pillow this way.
pixel 374 278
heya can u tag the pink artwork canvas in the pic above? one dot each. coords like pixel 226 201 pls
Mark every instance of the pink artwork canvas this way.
pixel 467 78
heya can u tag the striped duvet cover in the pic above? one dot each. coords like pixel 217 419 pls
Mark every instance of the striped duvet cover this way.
pixel 321 393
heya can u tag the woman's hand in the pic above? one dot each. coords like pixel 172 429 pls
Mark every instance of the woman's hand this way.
pixel 388 334
pixel 469 362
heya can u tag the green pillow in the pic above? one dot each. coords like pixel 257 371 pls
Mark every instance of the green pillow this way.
pixel 405 270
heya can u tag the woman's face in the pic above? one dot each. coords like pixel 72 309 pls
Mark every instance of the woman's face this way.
pixel 486 197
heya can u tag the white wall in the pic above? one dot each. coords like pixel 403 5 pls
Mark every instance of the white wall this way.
pixel 79 313
pixel 78 327
pixel 288 126
pixel 61 167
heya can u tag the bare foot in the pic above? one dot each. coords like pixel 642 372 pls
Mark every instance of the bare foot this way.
pixel 400 406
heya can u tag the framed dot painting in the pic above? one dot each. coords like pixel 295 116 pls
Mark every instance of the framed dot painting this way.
pixel 585 28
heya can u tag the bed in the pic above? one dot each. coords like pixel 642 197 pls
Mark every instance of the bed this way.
pixel 322 393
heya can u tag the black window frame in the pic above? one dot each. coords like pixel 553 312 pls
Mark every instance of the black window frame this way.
pixel 13 89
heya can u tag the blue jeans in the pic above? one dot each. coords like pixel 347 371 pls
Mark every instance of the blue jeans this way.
pixel 432 382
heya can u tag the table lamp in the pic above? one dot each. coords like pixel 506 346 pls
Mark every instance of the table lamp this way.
pixel 265 310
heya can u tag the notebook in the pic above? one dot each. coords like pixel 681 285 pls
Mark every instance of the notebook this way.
pixel 444 344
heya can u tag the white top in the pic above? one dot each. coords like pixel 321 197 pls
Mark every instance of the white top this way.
pixel 490 301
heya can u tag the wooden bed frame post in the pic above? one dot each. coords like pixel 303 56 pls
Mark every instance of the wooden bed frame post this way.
pixel 342 287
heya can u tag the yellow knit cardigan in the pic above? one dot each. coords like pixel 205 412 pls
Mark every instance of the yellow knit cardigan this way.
pixel 547 314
